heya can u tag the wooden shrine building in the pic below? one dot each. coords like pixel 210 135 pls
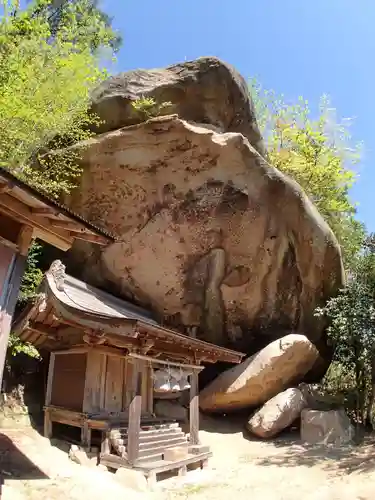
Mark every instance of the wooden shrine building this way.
pixel 26 214
pixel 104 356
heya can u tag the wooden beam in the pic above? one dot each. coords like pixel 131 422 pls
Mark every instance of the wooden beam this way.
pixel 44 230
pixel 51 333
pixel 196 368
pixel 93 238
pixel 135 410
pixel 24 239
pixel 45 212
pixel 8 244
pixel 110 351
pixel 73 350
pixel 6 187
pixel 69 226
pixel 194 409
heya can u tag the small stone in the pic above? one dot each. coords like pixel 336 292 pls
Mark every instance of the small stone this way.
pixel 132 479
pixel 79 456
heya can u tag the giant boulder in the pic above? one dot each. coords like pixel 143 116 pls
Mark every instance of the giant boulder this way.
pixel 205 90
pixel 261 376
pixel 210 236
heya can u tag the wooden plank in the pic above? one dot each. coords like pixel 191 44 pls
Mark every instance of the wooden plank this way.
pixel 194 409
pixel 111 351
pixel 74 350
pixel 135 410
pixel 114 384
pixel 67 417
pixel 51 369
pixel 95 372
pixel 69 381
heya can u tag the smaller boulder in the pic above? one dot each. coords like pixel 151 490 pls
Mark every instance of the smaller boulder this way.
pixel 79 456
pixel 171 409
pixel 131 479
pixel 326 427
pixel 277 414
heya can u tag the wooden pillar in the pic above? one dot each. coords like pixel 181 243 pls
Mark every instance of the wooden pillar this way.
pixel 47 401
pixel 8 301
pixel 194 409
pixel 135 409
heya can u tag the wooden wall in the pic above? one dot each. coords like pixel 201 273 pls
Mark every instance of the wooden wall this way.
pixel 109 381
pixel 68 381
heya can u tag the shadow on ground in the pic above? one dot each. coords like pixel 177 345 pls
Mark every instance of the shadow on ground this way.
pixel 14 464
pixel 287 450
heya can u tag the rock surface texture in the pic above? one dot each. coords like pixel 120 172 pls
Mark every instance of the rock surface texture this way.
pixel 277 414
pixel 204 91
pixel 261 376
pixel 326 427
pixel 210 237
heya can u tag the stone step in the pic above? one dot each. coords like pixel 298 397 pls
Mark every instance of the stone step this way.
pixel 151 428
pixel 122 434
pixel 159 446
pixel 152 439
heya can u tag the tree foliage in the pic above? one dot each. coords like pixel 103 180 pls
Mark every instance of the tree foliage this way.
pixel 49 63
pixel 317 154
pixel 351 331
pixel 47 72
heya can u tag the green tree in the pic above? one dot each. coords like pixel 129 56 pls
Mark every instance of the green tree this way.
pixel 351 332
pixel 318 155
pixel 49 63
pixel 46 76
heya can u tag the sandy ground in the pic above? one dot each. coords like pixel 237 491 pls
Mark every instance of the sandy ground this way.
pixel 283 469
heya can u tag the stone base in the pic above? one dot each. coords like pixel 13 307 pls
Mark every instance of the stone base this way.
pixel 197 449
pixel 177 453
pixel 326 427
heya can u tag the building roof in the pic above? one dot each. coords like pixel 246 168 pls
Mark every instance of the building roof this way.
pixel 77 303
pixel 35 207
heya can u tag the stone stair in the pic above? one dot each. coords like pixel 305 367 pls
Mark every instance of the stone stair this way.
pixel 153 440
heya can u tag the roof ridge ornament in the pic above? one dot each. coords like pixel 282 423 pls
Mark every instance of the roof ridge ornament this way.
pixel 57 272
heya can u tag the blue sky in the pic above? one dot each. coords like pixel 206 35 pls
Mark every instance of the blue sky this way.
pixel 293 47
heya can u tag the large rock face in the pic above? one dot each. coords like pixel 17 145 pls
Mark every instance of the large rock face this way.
pixel 277 414
pixel 211 237
pixel 205 91
pixel 261 376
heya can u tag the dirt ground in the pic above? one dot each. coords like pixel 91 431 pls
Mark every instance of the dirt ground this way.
pixel 281 469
